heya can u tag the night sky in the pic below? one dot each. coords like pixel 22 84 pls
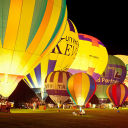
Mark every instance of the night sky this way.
pixel 105 21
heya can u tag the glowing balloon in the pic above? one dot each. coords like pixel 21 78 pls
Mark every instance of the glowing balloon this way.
pixel 29 30
pixel 124 58
pixel 55 85
pixel 81 88
pixel 115 72
pixel 117 93
pixel 60 58
pixel 91 58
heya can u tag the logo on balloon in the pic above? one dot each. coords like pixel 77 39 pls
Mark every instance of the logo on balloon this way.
pixel 68 49
pixel 50 86
pixel 111 75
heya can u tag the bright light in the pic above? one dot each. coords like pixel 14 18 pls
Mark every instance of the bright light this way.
pixel 80 109
pixel 58 104
pixel 94 106
pixel 81 100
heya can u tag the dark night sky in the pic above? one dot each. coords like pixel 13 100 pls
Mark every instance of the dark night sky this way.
pixel 105 21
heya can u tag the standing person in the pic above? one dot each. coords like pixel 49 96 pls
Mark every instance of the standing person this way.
pixel 34 106
pixel 8 106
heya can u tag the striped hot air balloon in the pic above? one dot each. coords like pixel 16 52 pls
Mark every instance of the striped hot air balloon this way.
pixel 60 58
pixel 81 88
pixel 115 72
pixel 29 30
pixel 91 58
pixel 55 85
pixel 117 93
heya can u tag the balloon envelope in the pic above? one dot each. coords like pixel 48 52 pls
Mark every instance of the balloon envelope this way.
pixel 81 88
pixel 60 58
pixel 29 30
pixel 91 58
pixel 124 58
pixel 115 72
pixel 117 93
pixel 55 85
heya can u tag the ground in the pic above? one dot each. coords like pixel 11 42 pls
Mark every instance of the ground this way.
pixel 94 118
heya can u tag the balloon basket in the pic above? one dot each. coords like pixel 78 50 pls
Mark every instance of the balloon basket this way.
pixel 42 107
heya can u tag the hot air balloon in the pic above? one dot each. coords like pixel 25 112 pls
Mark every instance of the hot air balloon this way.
pixel 117 93
pixel 81 87
pixel 124 58
pixel 29 30
pixel 55 85
pixel 115 72
pixel 91 58
pixel 60 58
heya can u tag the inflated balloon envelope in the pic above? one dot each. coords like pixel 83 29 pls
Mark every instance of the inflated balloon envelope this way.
pixel 55 85
pixel 124 58
pixel 29 30
pixel 91 57
pixel 115 72
pixel 81 87
pixel 60 58
pixel 117 93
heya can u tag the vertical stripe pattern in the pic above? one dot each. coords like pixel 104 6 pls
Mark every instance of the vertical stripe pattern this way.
pixel 55 85
pixel 81 88
pixel 117 93
pixel 29 30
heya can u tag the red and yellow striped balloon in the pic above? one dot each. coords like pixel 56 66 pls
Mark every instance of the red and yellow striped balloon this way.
pixel 55 86
pixel 117 93
pixel 81 88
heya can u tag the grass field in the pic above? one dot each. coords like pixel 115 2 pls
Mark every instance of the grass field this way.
pixel 50 118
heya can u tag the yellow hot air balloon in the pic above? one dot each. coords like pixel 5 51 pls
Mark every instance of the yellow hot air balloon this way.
pixel 60 58
pixel 124 58
pixel 91 58
pixel 29 30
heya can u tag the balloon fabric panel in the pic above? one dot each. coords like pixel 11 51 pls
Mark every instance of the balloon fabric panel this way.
pixel 31 81
pixel 114 93
pixel 92 89
pixel 85 86
pixel 38 74
pixel 70 88
pixel 122 94
pixel 12 24
pixel 78 88
pixel 51 66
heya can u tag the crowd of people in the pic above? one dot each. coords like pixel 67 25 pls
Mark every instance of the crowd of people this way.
pixel 6 104
pixel 29 105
